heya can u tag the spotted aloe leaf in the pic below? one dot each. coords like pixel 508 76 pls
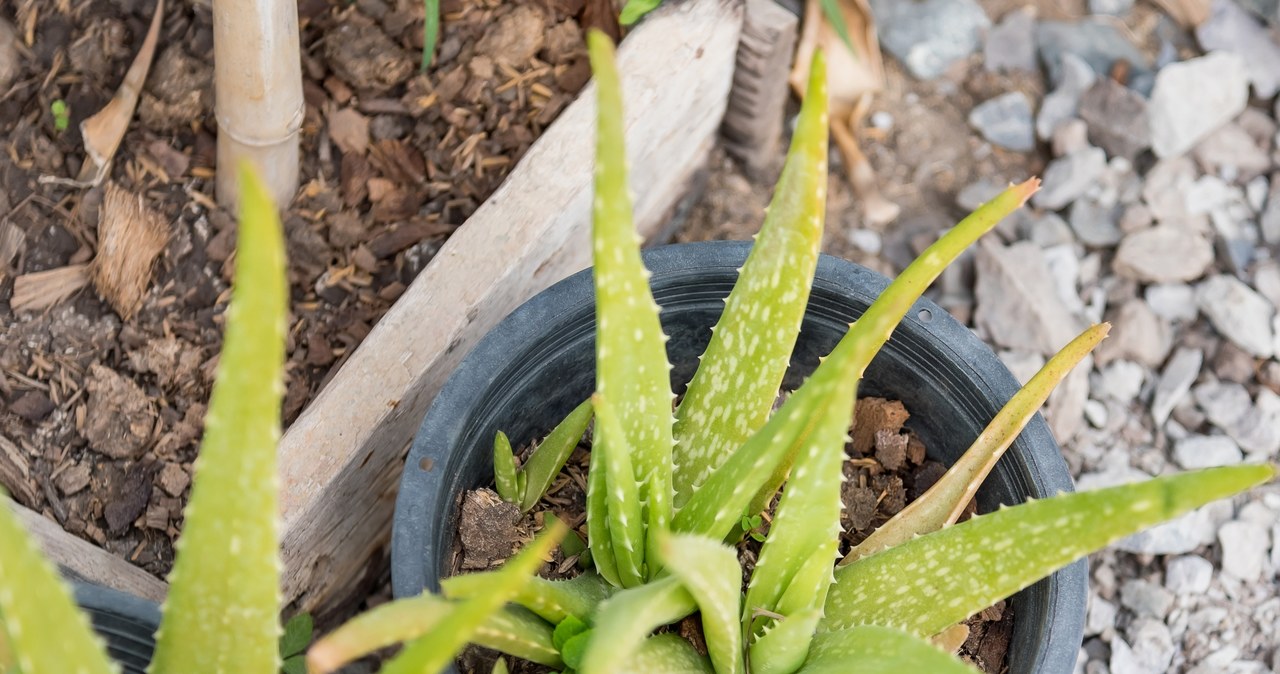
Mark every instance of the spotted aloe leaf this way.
pixel 41 629
pixel 634 10
pixel 624 621
pixel 943 503
pixel 441 643
pixel 666 654
pixel 631 356
pixel 626 530
pixel 794 567
pixel 933 581
pixel 513 631
pixel 553 600
pixel 709 570
pixel 545 462
pixel 785 645
pixel 879 650
pixel 734 388
pixel 222 612
pixel 505 479
pixel 869 333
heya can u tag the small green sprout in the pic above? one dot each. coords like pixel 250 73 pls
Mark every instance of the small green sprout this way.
pixel 751 526
pixel 525 485
pixel 61 115
pixel 430 31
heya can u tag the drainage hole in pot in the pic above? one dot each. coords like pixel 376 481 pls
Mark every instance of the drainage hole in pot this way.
pixel 925 316
pixel 886 468
pixel 427 463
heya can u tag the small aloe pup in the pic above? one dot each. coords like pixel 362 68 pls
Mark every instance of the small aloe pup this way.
pixel 222 612
pixel 668 493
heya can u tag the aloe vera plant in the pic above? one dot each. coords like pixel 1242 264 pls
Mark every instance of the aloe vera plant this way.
pixel 222 612
pixel 668 494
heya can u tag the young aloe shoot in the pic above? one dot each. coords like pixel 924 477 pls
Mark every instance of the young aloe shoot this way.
pixel 525 485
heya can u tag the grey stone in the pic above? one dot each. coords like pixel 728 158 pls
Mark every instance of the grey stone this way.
pixel 1096 412
pixel 1145 598
pixel 1065 410
pixel 1017 303
pixel 1232 151
pixel 1095 224
pixel 1006 121
pixel 1244 549
pixel 1062 103
pixel 1121 380
pixel 1238 313
pixel 1180 120
pixel 1166 185
pixel 1163 254
pixel 1097 41
pixel 1138 334
pixel 1152 644
pixel 1175 537
pixel 1067 178
pixel 1223 403
pixel 1188 575
pixel 1064 267
pixel 1112 7
pixel 1175 382
pixel 1101 617
pixel 10 59
pixel 1135 217
pixel 1172 301
pixel 1270 221
pixel 1266 279
pixel 1071 135
pixel 1206 451
pixel 1124 661
pixel 1230 28
pixel 1255 192
pixel 1117 118
pixel 1011 43
pixel 1258 430
pixel 1048 229
pixel 929 35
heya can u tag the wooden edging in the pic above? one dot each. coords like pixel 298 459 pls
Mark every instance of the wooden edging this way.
pixel 340 462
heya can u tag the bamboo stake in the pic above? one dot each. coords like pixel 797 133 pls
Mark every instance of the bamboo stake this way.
pixel 258 87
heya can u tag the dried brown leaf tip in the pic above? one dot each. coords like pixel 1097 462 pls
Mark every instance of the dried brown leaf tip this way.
pixel 130 237
pixel 40 290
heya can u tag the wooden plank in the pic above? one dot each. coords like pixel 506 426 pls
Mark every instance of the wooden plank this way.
pixel 340 461
pixel 757 104
pixel 87 562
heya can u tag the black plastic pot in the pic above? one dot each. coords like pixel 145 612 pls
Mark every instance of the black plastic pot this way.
pixel 535 366
pixel 128 624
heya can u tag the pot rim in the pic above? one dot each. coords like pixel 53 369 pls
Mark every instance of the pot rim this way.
pixel 1061 631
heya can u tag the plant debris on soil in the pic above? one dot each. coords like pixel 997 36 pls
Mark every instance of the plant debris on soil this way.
pixel 111 298
pixel 886 467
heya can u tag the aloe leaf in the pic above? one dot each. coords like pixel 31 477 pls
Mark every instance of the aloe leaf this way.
pixel 623 622
pixel 634 10
pixel 879 650
pixel 626 530
pixel 934 581
pixel 430 31
pixel 733 390
pixel 545 462
pixel 499 667
pixel 667 654
pixel 831 8
pixel 943 503
pixel 599 542
pixel 709 570
pixel 631 356
pixel 794 567
pixel 382 626
pixel 869 333
pixel 222 612
pixel 442 643
pixel 504 470
pixel 519 633
pixel 784 647
pixel 41 629
pixel 553 600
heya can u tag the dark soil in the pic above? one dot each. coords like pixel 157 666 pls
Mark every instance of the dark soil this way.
pixel 100 414
pixel 887 467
